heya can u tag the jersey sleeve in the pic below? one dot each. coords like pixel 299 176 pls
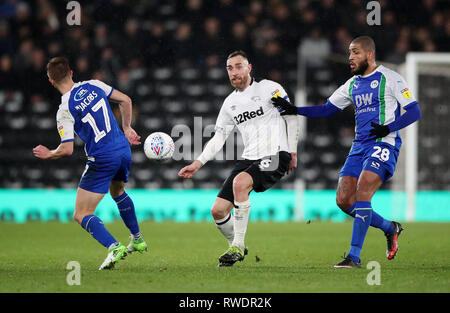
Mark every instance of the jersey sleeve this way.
pixel 106 88
pixel 399 88
pixel 278 91
pixel 224 122
pixel 65 124
pixel 292 121
pixel 224 127
pixel 342 98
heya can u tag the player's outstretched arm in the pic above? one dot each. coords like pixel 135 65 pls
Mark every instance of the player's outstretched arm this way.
pixel 317 111
pixel 125 105
pixel 63 150
pixel 190 170
pixel 284 106
pixel 212 147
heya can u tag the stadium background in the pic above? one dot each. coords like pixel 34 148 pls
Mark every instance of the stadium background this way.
pixel 169 57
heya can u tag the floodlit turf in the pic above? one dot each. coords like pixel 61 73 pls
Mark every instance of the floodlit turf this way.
pixel 283 257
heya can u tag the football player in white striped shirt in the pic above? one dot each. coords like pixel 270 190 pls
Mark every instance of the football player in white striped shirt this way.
pixel 270 150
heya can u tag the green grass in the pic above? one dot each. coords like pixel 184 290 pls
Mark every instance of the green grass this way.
pixel 293 257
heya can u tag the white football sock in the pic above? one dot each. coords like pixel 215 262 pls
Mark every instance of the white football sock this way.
pixel 226 227
pixel 241 213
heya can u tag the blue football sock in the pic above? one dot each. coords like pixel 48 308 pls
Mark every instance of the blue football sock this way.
pixel 377 220
pixel 93 225
pixel 351 210
pixel 363 218
pixel 128 214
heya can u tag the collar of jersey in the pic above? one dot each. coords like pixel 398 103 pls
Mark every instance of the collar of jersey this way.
pixel 67 94
pixel 370 74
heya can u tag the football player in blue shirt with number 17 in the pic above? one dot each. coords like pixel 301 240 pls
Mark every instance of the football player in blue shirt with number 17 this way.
pixel 378 95
pixel 85 110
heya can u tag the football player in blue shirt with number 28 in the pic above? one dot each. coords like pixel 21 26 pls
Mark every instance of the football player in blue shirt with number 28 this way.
pixel 378 95
pixel 85 110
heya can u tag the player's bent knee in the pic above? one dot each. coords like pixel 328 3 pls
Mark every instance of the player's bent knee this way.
pixel 221 208
pixel 364 192
pixel 116 189
pixel 242 183
pixel 116 193
pixel 78 217
pixel 340 204
pixel 364 195
pixel 346 192
pixel 344 202
pixel 217 212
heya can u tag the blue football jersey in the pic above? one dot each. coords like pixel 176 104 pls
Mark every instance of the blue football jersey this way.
pixel 377 97
pixel 85 111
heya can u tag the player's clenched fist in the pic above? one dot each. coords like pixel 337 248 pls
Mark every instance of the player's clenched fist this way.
pixel 41 152
pixel 190 170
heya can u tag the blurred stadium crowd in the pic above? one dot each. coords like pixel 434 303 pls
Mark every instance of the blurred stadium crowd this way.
pixel 169 57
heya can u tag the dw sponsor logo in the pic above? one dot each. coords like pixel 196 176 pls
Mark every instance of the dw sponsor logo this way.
pixel 363 99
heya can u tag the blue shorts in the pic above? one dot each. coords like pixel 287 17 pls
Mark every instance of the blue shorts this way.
pixel 377 157
pixel 98 174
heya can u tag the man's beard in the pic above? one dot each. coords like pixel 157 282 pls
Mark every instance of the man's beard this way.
pixel 361 68
pixel 243 81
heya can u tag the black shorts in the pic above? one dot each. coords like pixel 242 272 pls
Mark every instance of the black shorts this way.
pixel 265 173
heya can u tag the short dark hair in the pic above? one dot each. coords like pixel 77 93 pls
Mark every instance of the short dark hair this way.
pixel 58 69
pixel 366 43
pixel 236 53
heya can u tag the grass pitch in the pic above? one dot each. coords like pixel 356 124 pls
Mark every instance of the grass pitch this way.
pixel 283 258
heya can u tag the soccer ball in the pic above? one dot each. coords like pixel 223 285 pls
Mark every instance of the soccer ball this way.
pixel 159 146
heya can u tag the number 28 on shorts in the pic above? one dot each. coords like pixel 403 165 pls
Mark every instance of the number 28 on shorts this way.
pixel 381 154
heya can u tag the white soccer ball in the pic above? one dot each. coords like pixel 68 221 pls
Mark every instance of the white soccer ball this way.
pixel 159 146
